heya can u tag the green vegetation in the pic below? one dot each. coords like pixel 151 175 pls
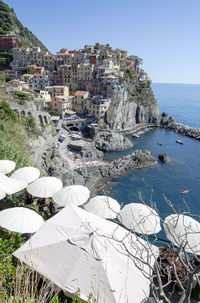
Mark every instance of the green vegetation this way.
pixel 143 85
pixel 9 242
pixel 13 137
pixel 5 19
pixel 5 59
pixel 6 113
pixel 23 96
pixel 9 22
pixel 129 74
pixel 54 113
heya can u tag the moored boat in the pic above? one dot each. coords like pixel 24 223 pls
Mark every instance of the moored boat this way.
pixel 179 141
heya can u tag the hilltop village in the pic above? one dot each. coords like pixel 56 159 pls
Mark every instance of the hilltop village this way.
pixel 72 81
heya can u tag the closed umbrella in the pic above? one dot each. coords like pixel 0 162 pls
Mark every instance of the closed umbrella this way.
pixel 26 174
pixel 6 166
pixel 103 206
pixel 45 187
pixel 11 186
pixel 75 194
pixel 183 230
pixel 20 219
pixel 140 218
pixel 78 250
pixel 2 194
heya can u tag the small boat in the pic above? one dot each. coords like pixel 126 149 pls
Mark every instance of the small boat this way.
pixel 179 141
pixel 185 191
pixel 135 135
pixel 160 143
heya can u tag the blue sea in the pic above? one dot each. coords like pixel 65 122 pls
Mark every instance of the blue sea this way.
pixel 183 170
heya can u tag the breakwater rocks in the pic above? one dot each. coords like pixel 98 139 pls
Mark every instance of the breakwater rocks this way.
pixel 92 176
pixel 179 128
pixel 185 130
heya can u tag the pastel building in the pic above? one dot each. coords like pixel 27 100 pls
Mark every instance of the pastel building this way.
pixel 20 59
pixel 61 104
pixel 97 106
pixel 79 103
pixel 38 82
pixel 58 90
pixel 7 42
pixel 44 99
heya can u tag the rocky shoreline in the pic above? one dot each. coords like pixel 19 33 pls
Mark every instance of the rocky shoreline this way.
pixel 95 176
pixel 83 161
pixel 185 130
pixel 179 128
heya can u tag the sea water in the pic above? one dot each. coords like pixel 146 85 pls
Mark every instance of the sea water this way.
pixel 166 181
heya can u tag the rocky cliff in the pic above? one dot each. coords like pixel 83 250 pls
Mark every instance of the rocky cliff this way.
pixel 132 103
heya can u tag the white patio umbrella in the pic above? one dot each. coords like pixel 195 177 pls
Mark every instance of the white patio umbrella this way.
pixel 26 174
pixel 78 250
pixel 20 219
pixel 11 186
pixel 45 187
pixel 6 166
pixel 2 194
pixel 75 194
pixel 181 229
pixel 140 218
pixel 103 206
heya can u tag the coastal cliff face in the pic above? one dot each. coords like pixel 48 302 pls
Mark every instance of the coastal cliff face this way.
pixel 132 104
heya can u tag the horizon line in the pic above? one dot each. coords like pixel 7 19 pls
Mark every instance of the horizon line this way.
pixel 179 83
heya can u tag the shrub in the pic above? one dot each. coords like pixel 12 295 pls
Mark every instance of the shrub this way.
pixel 23 96
pixel 6 113
pixel 54 113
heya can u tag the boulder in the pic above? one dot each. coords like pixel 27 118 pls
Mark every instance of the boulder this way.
pixel 163 157
pixel 111 141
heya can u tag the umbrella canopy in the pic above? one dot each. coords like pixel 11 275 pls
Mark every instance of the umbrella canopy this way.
pixel 11 186
pixel 26 174
pixel 78 250
pixel 6 166
pixel 75 194
pixel 20 219
pixel 181 229
pixel 140 218
pixel 103 206
pixel 2 194
pixel 45 187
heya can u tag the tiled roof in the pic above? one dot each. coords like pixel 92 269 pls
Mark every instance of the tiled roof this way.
pixel 80 93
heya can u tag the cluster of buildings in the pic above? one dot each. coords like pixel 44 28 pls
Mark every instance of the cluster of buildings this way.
pixel 74 81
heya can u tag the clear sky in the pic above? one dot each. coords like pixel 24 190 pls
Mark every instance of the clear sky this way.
pixel 165 34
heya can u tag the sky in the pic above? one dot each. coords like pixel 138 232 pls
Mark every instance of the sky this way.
pixel 165 34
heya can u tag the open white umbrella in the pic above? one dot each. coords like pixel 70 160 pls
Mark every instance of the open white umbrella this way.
pixel 11 186
pixel 181 230
pixel 78 250
pixel 2 194
pixel 45 187
pixel 140 218
pixel 26 174
pixel 20 219
pixel 6 166
pixel 103 206
pixel 75 194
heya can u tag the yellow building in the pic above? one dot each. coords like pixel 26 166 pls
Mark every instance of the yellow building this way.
pixel 79 102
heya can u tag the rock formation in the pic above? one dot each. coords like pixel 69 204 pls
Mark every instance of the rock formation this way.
pixel 111 141
pixel 127 109
pixel 163 157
